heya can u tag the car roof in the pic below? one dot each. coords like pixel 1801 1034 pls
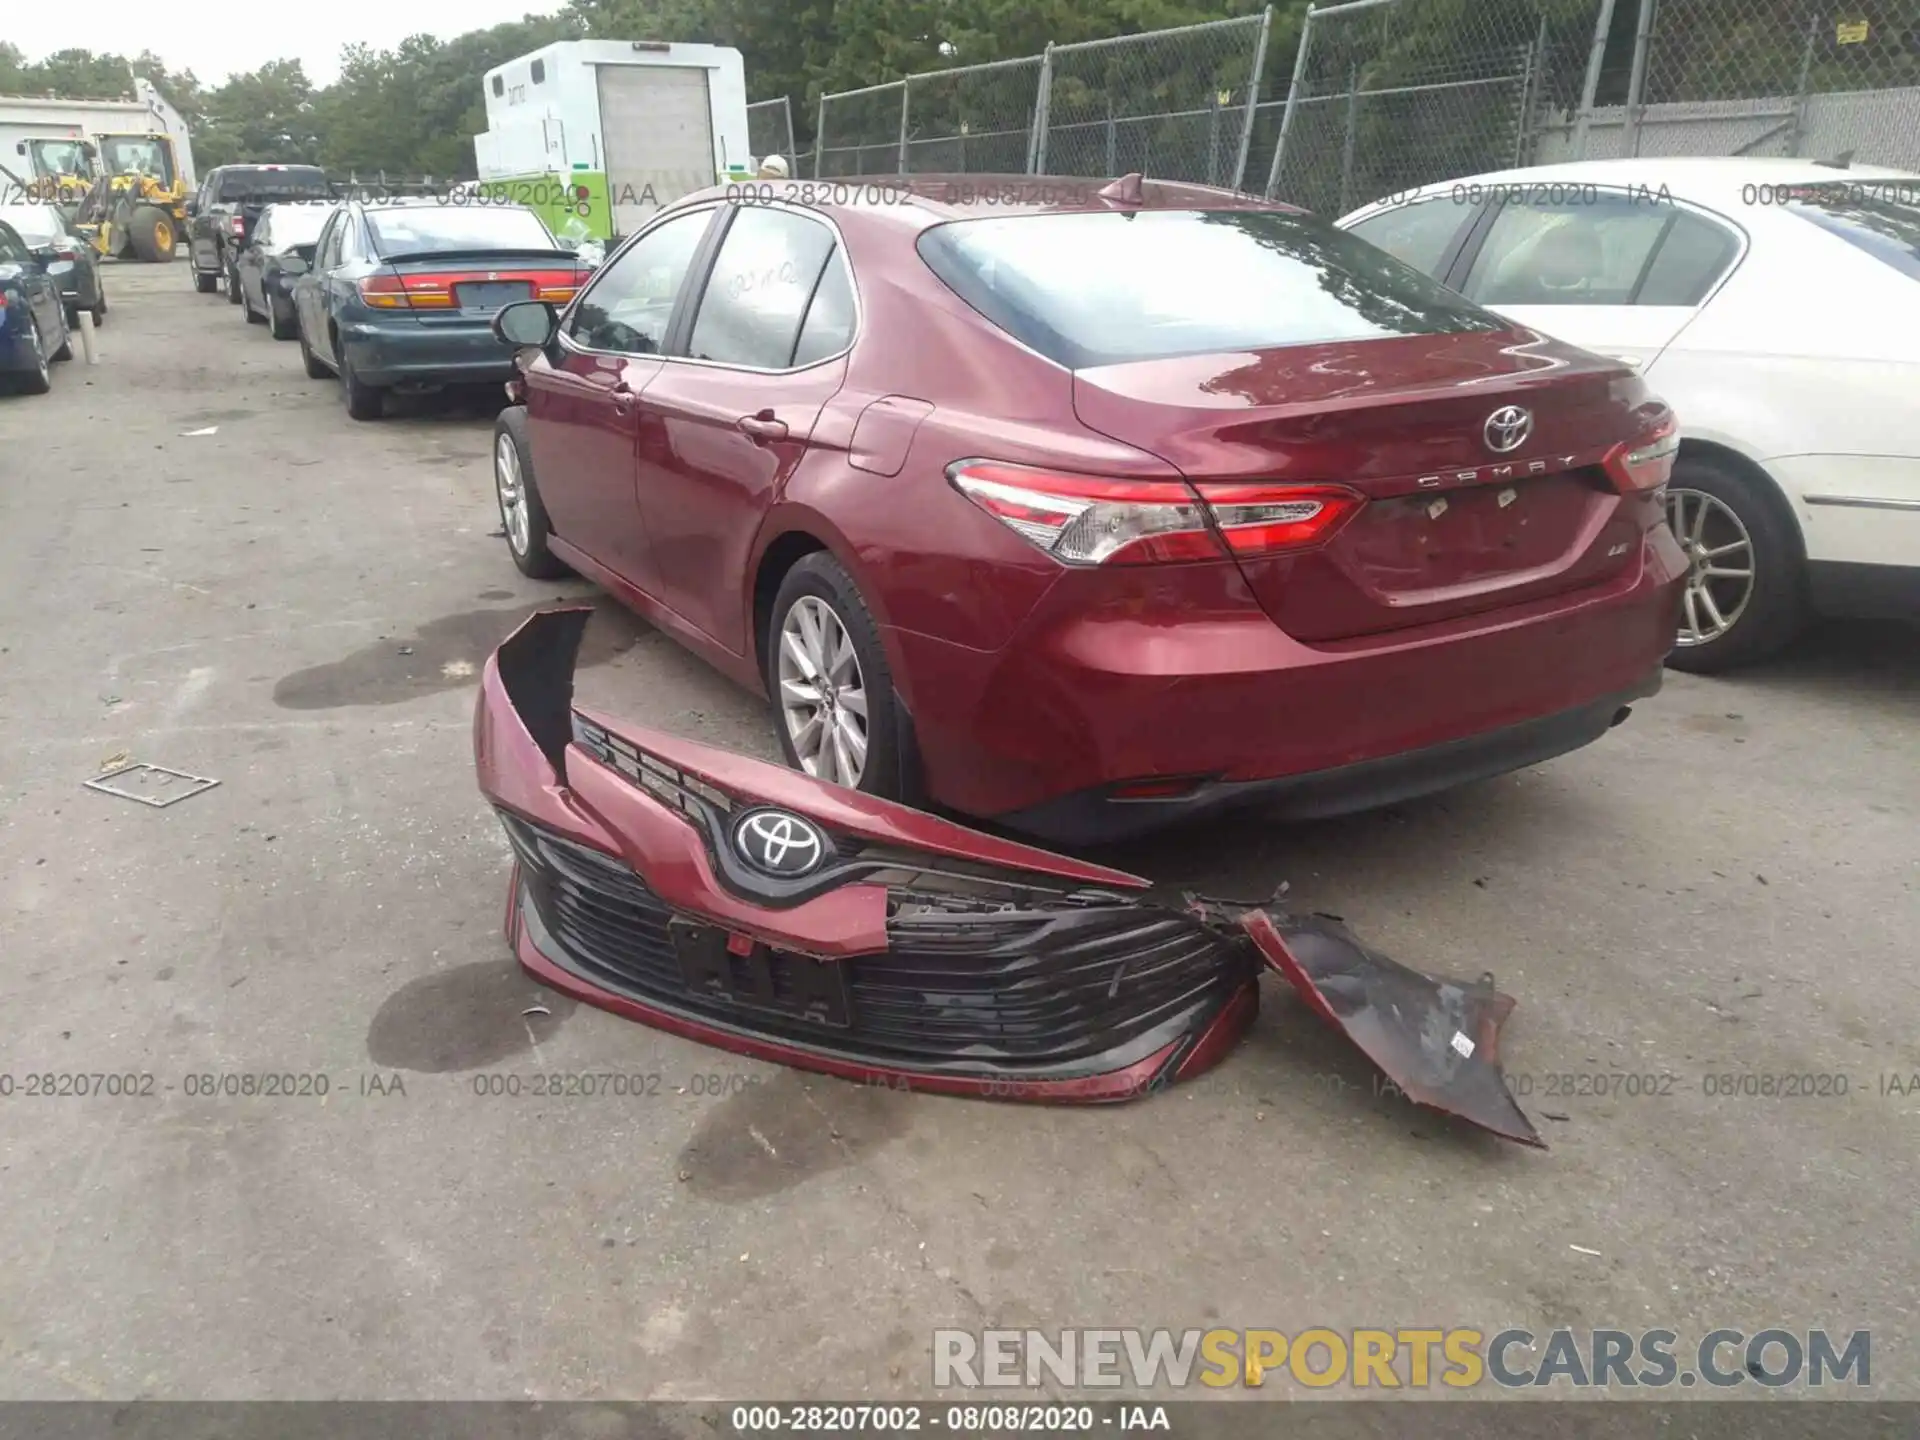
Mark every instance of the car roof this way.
pixel 1704 178
pixel 921 201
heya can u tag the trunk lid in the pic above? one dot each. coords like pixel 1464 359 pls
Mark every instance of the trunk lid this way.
pixel 479 282
pixel 1451 526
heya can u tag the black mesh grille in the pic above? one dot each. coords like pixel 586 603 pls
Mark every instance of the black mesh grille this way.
pixel 1035 986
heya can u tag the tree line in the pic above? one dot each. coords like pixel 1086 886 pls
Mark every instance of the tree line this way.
pixel 414 109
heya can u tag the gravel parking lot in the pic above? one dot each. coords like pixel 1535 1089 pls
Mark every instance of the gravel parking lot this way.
pixel 298 605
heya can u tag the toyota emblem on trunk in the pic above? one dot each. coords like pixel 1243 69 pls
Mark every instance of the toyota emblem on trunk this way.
pixel 779 844
pixel 1507 429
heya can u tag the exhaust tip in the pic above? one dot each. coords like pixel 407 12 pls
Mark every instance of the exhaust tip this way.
pixel 1619 716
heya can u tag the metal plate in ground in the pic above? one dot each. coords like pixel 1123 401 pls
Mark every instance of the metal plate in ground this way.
pixel 153 785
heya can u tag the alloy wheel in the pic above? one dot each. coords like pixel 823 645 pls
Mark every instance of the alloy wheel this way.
pixel 823 696
pixel 1720 563
pixel 513 498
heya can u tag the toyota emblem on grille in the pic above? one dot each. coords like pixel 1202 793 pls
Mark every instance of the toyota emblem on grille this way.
pixel 1507 429
pixel 779 843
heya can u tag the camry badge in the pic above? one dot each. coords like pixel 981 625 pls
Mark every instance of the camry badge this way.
pixel 1507 429
pixel 778 843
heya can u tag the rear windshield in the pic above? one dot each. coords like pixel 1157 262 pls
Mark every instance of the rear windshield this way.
pixel 1883 227
pixel 37 224
pixel 1107 288
pixel 293 183
pixel 422 229
pixel 297 224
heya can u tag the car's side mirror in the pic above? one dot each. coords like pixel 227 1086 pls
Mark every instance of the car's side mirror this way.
pixel 526 322
pixel 297 260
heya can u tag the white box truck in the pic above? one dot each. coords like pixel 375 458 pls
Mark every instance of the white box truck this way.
pixel 597 135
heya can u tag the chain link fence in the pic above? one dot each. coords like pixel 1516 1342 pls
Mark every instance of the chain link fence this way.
pixel 770 132
pixel 973 118
pixel 1171 103
pixel 861 132
pixel 1391 94
pixel 1335 106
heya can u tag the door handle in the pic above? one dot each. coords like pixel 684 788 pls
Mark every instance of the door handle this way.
pixel 762 426
pixel 622 397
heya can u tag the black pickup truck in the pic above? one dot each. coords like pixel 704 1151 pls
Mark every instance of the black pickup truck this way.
pixel 221 215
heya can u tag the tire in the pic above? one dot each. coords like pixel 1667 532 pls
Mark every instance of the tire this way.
pixel 65 352
pixel 39 380
pixel 364 401
pixel 523 516
pixel 316 367
pixel 822 586
pixel 1743 526
pixel 203 282
pixel 152 234
pixel 280 328
pixel 254 317
pixel 100 309
pixel 233 281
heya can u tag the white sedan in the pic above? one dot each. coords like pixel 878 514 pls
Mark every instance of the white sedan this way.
pixel 1775 304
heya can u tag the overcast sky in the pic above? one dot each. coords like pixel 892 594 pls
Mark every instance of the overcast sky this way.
pixel 215 40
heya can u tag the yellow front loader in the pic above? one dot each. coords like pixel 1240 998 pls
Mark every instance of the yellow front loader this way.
pixel 136 204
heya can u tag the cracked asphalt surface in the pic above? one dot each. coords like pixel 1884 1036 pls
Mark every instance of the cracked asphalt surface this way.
pixel 297 605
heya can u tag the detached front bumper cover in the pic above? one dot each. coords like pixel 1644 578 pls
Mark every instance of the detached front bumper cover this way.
pixel 751 907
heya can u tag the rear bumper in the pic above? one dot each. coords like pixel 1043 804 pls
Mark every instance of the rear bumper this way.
pixel 1204 687
pixel 440 353
pixel 1096 816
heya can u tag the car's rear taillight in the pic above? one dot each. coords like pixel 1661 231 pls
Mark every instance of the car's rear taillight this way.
pixel 1639 466
pixel 385 292
pixel 237 223
pixel 1089 520
pixel 435 289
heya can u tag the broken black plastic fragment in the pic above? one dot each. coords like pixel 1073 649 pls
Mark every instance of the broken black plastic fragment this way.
pixel 536 670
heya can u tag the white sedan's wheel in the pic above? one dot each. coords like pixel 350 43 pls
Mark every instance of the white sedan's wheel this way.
pixel 1719 564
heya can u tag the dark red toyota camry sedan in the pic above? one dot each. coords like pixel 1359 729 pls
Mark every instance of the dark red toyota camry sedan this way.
pixel 1091 507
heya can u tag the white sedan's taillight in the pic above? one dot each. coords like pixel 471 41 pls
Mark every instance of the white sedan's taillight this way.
pixel 1090 520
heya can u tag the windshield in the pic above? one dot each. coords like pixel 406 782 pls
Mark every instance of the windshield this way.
pixel 295 224
pixel 1108 288
pixel 38 225
pixel 135 155
pixel 1881 225
pixel 58 157
pixel 424 229
pixel 284 183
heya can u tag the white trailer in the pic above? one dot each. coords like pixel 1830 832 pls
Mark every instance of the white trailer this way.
pixel 599 134
pixel 39 135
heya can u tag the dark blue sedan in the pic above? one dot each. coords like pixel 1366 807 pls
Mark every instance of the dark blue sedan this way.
pixel 401 294
pixel 33 316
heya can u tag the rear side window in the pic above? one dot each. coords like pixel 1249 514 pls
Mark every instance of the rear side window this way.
pixel 293 183
pixel 828 328
pixel 762 279
pixel 1694 255
pixel 12 250
pixel 1112 287
pixel 1611 249
pixel 1418 232
pixel 1888 231
pixel 424 229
